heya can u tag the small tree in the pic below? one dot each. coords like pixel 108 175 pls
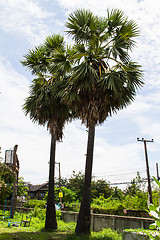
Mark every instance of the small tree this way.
pixel 22 188
pixel 7 178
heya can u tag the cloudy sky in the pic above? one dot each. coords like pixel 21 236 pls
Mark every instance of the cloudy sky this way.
pixel 117 154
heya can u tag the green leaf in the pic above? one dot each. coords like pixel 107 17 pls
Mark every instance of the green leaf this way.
pixel 153 226
pixel 156 181
pixel 152 208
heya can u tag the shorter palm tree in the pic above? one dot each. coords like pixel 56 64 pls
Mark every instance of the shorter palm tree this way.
pixel 42 105
pixel 44 109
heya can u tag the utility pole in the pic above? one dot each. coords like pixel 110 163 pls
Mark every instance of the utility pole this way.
pixel 147 167
pixel 59 180
pixel 158 178
pixel 15 168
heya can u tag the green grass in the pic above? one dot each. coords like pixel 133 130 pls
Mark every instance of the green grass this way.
pixel 141 231
pixel 36 231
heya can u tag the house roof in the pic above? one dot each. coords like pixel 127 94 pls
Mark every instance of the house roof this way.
pixel 35 188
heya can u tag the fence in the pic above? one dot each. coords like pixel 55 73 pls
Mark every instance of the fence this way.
pixel 118 223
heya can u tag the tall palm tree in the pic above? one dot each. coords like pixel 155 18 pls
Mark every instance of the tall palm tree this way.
pixel 44 108
pixel 104 79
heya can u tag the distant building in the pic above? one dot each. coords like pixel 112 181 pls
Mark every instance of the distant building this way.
pixel 37 191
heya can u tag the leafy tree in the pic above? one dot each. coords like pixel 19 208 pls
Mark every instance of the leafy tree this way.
pixel 44 108
pixel 100 187
pixel 135 187
pixel 6 181
pixel 117 193
pixel 104 79
pixel 0 154
pixel 75 183
pixel 22 188
pixel 68 195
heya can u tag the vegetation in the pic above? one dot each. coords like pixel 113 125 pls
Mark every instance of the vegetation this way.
pixel 22 188
pixel 155 212
pixel 141 233
pixel 112 201
pixel 7 177
pixel 6 181
pixel 36 230
pixel 133 197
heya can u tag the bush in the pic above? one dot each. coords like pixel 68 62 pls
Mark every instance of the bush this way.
pixel 107 206
pixel 68 195
pixel 35 203
pixel 41 213
pixel 75 207
pixel 105 234
pixel 138 202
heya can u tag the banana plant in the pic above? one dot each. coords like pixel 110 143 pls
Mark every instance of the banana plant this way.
pixel 155 213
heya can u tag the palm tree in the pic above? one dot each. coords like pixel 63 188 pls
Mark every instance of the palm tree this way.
pixel 44 108
pixel 104 79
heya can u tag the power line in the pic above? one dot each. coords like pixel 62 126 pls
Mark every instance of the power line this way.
pixel 120 183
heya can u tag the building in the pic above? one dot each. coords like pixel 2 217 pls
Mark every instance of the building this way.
pixel 37 191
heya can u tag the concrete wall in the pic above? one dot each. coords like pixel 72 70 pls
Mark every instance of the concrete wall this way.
pixel 118 223
pixel 133 236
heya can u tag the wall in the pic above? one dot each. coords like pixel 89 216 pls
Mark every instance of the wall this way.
pixel 118 223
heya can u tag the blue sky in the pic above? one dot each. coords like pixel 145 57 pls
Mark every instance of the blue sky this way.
pixel 117 155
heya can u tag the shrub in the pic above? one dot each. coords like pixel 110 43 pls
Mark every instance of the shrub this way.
pixel 68 195
pixel 107 206
pixel 137 202
pixel 35 203
pixel 105 234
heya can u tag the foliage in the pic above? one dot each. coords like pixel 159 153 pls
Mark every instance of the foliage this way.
pixel 68 195
pixel 107 206
pixel 136 186
pixel 39 213
pixel 106 234
pixel 142 233
pixel 22 188
pixel 7 177
pixel 136 202
pixel 75 183
pixel 155 197
pixel 36 230
pixel 155 212
pixel 6 173
pixel 75 206
pixel 0 155
pixel 98 187
pixel 32 203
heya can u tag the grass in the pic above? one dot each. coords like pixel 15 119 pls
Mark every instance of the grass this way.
pixel 144 231
pixel 36 231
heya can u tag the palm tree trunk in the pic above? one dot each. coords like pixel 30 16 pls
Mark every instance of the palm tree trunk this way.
pixel 51 222
pixel 84 217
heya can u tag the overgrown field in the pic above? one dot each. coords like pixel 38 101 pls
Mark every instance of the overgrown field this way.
pixel 36 230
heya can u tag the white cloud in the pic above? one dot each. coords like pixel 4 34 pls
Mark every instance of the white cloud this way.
pixel 15 128
pixel 26 18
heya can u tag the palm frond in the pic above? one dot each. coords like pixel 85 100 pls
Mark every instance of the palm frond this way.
pixel 81 25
